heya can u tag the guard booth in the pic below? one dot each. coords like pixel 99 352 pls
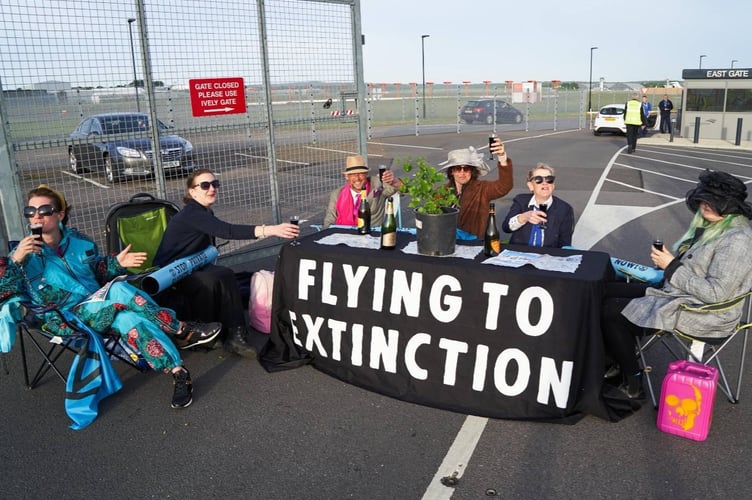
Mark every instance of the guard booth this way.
pixel 719 98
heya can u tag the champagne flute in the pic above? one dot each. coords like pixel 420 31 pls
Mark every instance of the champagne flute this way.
pixel 295 219
pixel 542 208
pixel 658 245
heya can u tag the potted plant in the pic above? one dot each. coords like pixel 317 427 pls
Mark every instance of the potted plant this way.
pixel 435 207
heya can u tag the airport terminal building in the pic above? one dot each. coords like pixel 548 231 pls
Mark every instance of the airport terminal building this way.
pixel 717 104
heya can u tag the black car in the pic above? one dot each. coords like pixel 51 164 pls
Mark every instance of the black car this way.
pixel 119 144
pixel 482 110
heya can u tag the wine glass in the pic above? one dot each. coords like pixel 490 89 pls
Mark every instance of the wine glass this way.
pixel 295 219
pixel 491 139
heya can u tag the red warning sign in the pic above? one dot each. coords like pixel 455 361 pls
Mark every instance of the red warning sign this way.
pixel 217 96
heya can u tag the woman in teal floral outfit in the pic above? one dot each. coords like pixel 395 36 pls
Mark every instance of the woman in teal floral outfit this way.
pixel 65 269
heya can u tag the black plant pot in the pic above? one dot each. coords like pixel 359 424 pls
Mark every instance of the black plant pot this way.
pixel 437 233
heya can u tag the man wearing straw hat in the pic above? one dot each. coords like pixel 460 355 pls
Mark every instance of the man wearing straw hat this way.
pixel 344 201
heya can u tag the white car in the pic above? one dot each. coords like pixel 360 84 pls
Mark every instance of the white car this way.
pixel 610 119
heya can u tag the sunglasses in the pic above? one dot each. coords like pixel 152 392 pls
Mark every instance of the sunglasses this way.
pixel 206 185
pixel 43 211
pixel 538 179
pixel 462 168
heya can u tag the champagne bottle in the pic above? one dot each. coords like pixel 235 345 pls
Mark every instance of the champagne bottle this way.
pixel 491 240
pixel 389 227
pixel 364 214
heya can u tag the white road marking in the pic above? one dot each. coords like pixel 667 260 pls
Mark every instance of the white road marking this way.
pixel 79 177
pixel 457 458
pixel 280 161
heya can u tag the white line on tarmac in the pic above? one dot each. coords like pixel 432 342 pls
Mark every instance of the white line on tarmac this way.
pixel 704 158
pixel 266 158
pixel 456 460
pixel 339 151
pixel 103 186
pixel 409 146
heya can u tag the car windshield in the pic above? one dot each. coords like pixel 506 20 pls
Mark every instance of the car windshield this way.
pixel 124 124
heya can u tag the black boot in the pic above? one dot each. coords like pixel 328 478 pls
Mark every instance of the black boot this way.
pixel 237 342
pixel 632 386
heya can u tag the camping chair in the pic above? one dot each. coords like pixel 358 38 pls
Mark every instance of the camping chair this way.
pixel 703 350
pixel 140 222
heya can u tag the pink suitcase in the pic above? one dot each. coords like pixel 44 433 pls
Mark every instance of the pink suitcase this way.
pixel 687 396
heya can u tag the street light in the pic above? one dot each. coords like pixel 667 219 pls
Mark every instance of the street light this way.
pixel 701 60
pixel 133 58
pixel 732 62
pixel 423 65
pixel 590 83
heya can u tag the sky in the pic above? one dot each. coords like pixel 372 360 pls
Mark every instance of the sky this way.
pixel 545 40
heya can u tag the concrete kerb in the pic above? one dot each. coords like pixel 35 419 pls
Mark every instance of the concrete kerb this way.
pixel 664 140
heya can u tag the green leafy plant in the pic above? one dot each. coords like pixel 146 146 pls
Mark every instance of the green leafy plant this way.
pixel 427 187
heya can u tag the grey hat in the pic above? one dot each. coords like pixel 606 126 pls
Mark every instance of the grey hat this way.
pixel 469 157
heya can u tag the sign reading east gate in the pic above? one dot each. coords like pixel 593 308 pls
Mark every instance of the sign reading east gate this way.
pixel 217 96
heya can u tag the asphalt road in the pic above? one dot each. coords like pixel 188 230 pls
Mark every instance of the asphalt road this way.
pixel 303 434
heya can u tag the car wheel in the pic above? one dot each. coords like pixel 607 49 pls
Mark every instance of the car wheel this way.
pixel 596 132
pixel 517 118
pixel 109 170
pixel 489 119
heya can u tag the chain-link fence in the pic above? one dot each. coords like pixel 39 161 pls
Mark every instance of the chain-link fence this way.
pixel 83 82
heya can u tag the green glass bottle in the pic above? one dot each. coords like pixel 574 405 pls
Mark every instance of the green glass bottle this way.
pixel 389 227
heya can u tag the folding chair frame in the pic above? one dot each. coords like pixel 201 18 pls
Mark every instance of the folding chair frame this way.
pixel 58 346
pixel 688 343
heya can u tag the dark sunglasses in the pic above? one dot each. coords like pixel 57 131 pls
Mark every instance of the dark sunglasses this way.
pixel 206 184
pixel 538 179
pixel 43 211
pixel 463 168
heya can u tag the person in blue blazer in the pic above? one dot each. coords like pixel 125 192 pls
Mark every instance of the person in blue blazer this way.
pixel 540 219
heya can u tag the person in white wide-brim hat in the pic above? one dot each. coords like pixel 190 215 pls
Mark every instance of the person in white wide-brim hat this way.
pixel 343 202
pixel 463 168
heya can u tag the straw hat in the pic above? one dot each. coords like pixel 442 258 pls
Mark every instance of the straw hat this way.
pixel 355 165
pixel 469 157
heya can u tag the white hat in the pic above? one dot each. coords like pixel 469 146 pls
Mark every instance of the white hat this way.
pixel 469 157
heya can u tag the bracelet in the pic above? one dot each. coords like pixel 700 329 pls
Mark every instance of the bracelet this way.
pixel 263 230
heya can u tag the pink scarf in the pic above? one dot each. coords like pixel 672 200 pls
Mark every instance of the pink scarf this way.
pixel 347 210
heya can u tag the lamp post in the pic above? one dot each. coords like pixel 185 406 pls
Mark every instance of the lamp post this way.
pixel 590 81
pixel 732 62
pixel 701 60
pixel 133 59
pixel 423 65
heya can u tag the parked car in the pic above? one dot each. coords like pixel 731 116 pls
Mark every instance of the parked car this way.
pixel 610 118
pixel 482 110
pixel 119 144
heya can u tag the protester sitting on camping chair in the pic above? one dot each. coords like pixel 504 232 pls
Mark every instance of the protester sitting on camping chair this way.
pixel 64 268
pixel 711 265
pixel 212 292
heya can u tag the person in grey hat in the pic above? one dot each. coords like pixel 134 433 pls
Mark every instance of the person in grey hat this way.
pixel 463 168
pixel 709 263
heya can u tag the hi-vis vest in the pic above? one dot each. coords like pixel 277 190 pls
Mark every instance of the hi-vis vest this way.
pixel 632 113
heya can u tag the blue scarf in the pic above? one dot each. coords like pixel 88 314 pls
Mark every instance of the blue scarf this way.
pixel 536 233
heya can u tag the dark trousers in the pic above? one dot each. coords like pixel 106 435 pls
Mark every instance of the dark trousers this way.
pixel 618 332
pixel 666 122
pixel 632 131
pixel 210 294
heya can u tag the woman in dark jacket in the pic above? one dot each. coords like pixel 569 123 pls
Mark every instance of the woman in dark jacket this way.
pixel 212 291
pixel 541 220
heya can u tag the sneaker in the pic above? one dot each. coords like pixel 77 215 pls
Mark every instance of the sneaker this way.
pixel 194 334
pixel 182 394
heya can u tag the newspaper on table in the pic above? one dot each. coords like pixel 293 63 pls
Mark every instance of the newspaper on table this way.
pixel 511 258
pixel 374 242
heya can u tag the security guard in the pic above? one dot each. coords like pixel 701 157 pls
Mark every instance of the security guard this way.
pixel 634 118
